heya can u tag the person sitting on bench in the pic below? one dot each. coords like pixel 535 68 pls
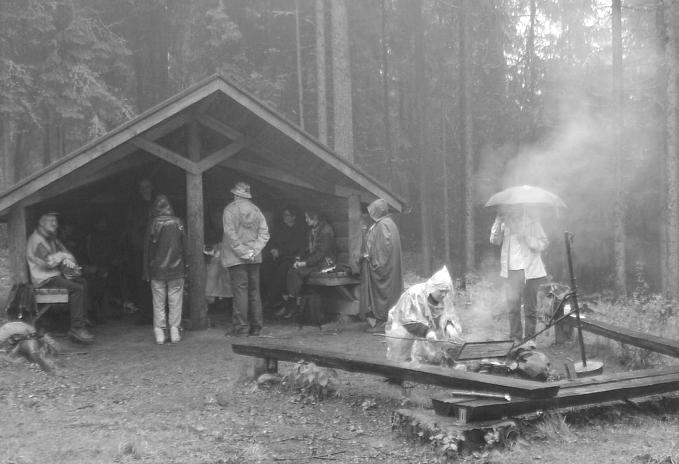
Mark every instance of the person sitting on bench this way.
pixel 52 265
pixel 320 254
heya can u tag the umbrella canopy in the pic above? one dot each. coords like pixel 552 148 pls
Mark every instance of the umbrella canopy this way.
pixel 523 195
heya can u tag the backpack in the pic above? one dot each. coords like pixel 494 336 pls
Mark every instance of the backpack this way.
pixel 20 303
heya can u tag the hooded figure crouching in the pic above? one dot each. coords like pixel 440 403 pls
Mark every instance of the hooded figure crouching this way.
pixel 422 318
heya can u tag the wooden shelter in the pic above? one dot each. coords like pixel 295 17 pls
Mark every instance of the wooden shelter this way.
pixel 195 146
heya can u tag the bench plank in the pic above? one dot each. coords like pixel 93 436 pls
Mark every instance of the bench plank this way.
pixel 379 365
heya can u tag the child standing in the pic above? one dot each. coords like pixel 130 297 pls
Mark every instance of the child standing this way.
pixel 164 266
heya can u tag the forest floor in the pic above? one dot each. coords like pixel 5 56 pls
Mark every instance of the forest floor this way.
pixel 125 399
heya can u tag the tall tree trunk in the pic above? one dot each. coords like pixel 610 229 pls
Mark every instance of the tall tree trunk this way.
pixel 467 133
pixel 300 79
pixel 530 71
pixel 619 208
pixel 341 78
pixel 446 193
pixel 661 149
pixel 321 78
pixel 151 43
pixel 420 146
pixel 672 159
pixel 389 151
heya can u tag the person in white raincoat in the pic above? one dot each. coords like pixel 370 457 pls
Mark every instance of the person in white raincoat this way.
pixel 423 316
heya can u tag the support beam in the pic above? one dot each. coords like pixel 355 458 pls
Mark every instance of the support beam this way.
pixel 355 233
pixel 219 127
pixel 219 156
pixel 165 154
pixel 16 236
pixel 195 224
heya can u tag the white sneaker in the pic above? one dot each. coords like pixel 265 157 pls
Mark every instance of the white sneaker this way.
pixel 175 337
pixel 160 335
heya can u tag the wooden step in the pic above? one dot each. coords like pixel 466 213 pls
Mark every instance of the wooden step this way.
pixel 578 392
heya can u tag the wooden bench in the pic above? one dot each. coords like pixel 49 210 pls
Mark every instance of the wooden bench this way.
pixel 273 351
pixel 340 281
pixel 46 298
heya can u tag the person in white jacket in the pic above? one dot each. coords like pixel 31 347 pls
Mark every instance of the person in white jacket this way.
pixel 245 235
pixel 521 238
pixel 423 318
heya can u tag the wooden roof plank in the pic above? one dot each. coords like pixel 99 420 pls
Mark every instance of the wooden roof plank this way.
pixel 119 160
pixel 315 147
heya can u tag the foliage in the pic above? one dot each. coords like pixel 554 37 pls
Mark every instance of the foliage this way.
pixel 645 312
pixel 312 382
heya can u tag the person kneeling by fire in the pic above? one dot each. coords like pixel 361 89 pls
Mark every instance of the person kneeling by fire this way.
pixel 422 326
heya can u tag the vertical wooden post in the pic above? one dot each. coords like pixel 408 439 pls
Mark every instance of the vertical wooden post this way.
pixel 355 234
pixel 194 219
pixel 16 236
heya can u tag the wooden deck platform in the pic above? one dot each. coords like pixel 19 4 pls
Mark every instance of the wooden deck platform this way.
pixel 577 392
pixel 272 350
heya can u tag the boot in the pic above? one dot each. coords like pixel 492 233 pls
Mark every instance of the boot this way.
pixel 175 337
pixel 160 335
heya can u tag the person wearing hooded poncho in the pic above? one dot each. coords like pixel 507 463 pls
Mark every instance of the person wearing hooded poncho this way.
pixel 383 255
pixel 164 266
pixel 422 317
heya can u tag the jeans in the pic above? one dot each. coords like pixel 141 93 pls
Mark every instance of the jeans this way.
pixel 171 291
pixel 247 303
pixel 78 301
pixel 519 288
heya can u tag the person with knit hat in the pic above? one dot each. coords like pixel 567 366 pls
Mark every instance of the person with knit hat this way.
pixel 423 316
pixel 245 235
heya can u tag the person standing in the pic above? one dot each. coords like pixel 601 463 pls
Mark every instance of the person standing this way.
pixel 165 266
pixel 521 238
pixel 52 265
pixel 245 235
pixel 383 253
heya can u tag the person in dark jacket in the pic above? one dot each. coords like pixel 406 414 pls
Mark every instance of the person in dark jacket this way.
pixel 164 266
pixel 320 254
pixel 288 240
pixel 383 253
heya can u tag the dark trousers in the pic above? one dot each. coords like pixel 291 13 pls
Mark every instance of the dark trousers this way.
pixel 274 275
pixel 296 278
pixel 247 304
pixel 519 288
pixel 78 300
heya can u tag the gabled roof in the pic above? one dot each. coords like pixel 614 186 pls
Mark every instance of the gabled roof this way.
pixel 236 130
